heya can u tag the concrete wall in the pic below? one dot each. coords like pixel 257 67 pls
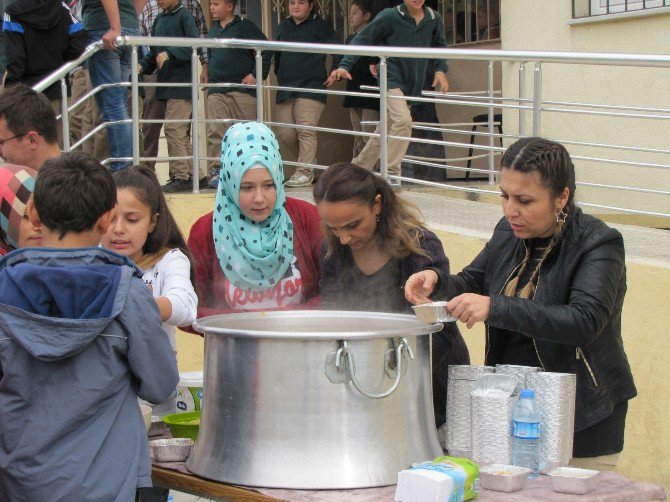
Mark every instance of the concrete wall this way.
pixel 645 328
pixel 533 25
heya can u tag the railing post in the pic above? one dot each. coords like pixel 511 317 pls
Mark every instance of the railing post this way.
pixel 468 21
pixel 383 119
pixel 65 118
pixel 135 104
pixel 259 86
pixel 537 100
pixel 195 90
pixel 490 120
pixel 522 97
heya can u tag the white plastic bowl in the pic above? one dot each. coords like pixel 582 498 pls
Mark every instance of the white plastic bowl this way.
pixel 573 480
pixel 146 414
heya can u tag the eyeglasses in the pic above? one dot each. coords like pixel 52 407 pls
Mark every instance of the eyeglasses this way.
pixel 3 141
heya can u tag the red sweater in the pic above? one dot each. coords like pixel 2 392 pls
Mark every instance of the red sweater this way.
pixel 210 280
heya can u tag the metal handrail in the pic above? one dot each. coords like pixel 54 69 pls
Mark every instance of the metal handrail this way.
pixel 67 67
pixel 489 99
pixel 598 58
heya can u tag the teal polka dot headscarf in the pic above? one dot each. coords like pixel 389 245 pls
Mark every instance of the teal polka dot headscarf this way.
pixel 253 255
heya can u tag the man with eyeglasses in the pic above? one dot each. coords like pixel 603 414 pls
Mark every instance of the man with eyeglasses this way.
pixel 28 131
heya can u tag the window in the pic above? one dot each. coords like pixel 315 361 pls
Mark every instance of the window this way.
pixel 585 8
pixel 468 21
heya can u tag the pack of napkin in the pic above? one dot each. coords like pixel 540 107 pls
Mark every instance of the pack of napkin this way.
pixel 445 479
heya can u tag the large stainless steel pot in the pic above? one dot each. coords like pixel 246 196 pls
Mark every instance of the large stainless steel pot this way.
pixel 314 399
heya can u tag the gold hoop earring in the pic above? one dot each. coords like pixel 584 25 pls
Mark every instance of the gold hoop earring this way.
pixel 561 216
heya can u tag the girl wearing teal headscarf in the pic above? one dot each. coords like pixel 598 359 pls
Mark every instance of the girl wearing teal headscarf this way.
pixel 258 249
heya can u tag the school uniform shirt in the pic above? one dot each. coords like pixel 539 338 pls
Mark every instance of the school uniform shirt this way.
pixel 176 22
pixel 300 69
pixel 232 65
pixel 95 18
pixel 297 289
pixel 394 27
pixel 40 36
pixel 170 278
pixel 151 11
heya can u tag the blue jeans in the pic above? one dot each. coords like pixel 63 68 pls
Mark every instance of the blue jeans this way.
pixel 108 67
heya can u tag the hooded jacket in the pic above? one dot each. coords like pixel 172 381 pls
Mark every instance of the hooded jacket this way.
pixel 40 36
pixel 80 340
pixel 574 319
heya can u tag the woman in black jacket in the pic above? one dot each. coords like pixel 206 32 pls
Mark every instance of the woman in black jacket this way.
pixel 550 286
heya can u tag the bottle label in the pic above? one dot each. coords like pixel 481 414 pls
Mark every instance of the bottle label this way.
pixel 526 430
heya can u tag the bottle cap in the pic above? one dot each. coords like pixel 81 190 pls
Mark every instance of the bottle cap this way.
pixel 527 393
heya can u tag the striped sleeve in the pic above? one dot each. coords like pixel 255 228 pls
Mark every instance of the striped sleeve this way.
pixel 9 25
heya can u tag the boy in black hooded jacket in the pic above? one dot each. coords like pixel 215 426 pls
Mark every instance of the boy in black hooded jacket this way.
pixel 40 36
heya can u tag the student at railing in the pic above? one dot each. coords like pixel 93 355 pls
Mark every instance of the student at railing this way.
pixel 361 109
pixel 308 71
pixel 39 38
pixel 152 108
pixel 104 21
pixel 258 250
pixel 410 24
pixel 235 66
pixel 85 118
pixel 374 241
pixel 550 286
pixel 173 65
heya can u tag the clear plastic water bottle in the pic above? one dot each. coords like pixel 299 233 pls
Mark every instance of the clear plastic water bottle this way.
pixel 526 433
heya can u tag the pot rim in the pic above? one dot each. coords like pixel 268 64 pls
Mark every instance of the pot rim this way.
pixel 238 325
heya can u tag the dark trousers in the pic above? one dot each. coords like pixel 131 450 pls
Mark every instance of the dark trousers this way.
pixel 152 109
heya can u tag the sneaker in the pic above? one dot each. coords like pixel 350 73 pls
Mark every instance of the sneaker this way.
pixel 395 184
pixel 203 183
pixel 301 179
pixel 178 185
pixel 214 181
pixel 214 171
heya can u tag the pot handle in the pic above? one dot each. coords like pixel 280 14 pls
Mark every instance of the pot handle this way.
pixel 345 351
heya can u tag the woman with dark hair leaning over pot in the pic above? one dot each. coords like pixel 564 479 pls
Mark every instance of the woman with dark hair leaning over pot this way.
pixel 550 286
pixel 374 241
